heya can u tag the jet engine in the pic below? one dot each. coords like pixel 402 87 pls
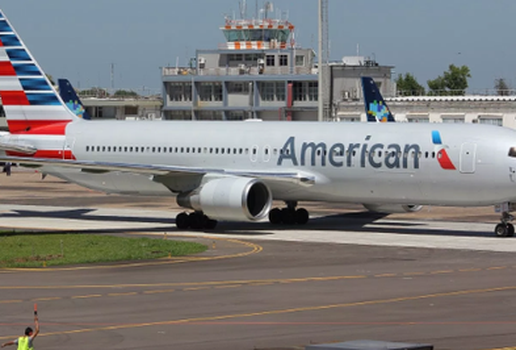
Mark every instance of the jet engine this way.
pixel 232 199
pixel 393 208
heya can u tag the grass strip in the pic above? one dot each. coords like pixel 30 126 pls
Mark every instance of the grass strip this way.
pixel 37 250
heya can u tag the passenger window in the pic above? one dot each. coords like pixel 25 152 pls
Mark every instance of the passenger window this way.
pixel 153 149
pixel 240 151
pixel 222 150
pixel 170 149
pixel 275 151
pixel 130 149
pixel 211 149
pixel 187 149
pixel 87 148
pixel 247 151
pixel 176 149
pixel 217 150
pixel 229 150
pixel 125 149
pixel 512 152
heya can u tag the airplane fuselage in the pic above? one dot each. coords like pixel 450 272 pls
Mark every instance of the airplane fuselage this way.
pixel 434 164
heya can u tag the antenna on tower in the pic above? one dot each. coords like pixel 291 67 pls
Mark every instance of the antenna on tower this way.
pixel 113 77
pixel 324 112
pixel 243 9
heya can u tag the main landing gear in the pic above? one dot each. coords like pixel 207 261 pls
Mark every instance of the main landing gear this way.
pixel 505 228
pixel 196 221
pixel 289 215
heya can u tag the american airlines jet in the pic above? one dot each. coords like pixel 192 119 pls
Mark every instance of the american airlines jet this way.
pixel 233 170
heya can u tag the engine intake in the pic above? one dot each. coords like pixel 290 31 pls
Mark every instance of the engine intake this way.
pixel 393 208
pixel 232 199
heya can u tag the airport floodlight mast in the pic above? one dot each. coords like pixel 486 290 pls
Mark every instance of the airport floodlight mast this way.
pixel 324 105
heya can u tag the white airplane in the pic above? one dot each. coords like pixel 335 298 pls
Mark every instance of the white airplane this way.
pixel 233 170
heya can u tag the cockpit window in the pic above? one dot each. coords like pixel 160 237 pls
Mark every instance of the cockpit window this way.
pixel 512 152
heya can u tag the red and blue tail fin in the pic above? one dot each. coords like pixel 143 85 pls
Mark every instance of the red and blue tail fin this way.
pixel 375 107
pixel 31 103
pixel 73 102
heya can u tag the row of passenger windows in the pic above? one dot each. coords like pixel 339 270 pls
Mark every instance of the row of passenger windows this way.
pixel 199 150
pixel 222 150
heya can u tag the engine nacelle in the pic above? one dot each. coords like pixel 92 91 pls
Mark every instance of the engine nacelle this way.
pixel 232 199
pixel 393 208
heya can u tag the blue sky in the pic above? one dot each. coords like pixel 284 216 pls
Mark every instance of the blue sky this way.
pixel 80 39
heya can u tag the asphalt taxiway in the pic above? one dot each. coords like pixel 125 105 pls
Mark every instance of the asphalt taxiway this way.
pixel 437 281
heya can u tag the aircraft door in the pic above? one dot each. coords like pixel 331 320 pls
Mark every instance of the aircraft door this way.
pixel 468 158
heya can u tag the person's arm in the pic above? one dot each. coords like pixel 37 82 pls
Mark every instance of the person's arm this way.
pixel 36 323
pixel 8 344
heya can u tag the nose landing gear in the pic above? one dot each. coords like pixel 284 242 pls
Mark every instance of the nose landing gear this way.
pixel 505 228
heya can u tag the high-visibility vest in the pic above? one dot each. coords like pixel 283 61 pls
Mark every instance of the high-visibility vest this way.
pixel 24 344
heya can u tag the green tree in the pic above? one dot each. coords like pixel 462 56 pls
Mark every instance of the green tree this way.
pixel 502 88
pixel 452 82
pixel 51 79
pixel 125 93
pixel 408 85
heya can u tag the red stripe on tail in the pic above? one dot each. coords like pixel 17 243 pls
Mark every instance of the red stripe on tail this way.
pixel 37 127
pixel 14 98
pixel 7 69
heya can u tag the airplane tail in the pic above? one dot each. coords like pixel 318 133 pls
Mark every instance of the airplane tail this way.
pixel 73 102
pixel 30 102
pixel 376 108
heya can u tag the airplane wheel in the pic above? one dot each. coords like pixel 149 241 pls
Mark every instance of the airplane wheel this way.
pixel 210 224
pixel 302 216
pixel 288 216
pixel 197 221
pixel 275 216
pixel 182 221
pixel 502 230
pixel 510 230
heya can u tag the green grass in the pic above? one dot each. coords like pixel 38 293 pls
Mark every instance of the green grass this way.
pixel 35 250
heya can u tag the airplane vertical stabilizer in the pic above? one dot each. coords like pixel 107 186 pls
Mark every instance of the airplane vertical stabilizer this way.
pixel 31 103
pixel 72 101
pixel 375 107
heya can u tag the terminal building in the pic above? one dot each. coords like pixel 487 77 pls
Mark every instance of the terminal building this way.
pixel 260 73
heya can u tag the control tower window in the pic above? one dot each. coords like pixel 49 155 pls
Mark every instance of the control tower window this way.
pixel 512 152
pixel 271 60
pixel 283 60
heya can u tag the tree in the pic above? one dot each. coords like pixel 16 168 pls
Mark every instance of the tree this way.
pixel 125 93
pixel 408 85
pixel 502 88
pixel 452 82
pixel 51 79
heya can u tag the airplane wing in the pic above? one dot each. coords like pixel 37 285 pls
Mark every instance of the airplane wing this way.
pixel 300 178
pixel 18 148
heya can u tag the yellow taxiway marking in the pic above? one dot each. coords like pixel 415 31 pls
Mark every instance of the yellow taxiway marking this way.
pixel 195 288
pixel 121 294
pixel 10 301
pixel 441 272
pixel 47 299
pixel 386 275
pixel 229 286
pixel 470 270
pixel 159 291
pixel 86 296
pixel 254 249
pixel 279 311
pixel 497 268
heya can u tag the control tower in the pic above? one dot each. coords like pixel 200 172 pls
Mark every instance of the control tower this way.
pixel 261 34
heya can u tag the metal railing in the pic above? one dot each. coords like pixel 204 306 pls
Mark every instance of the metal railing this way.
pixel 243 70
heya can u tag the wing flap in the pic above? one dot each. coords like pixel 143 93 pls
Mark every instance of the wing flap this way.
pixel 95 167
